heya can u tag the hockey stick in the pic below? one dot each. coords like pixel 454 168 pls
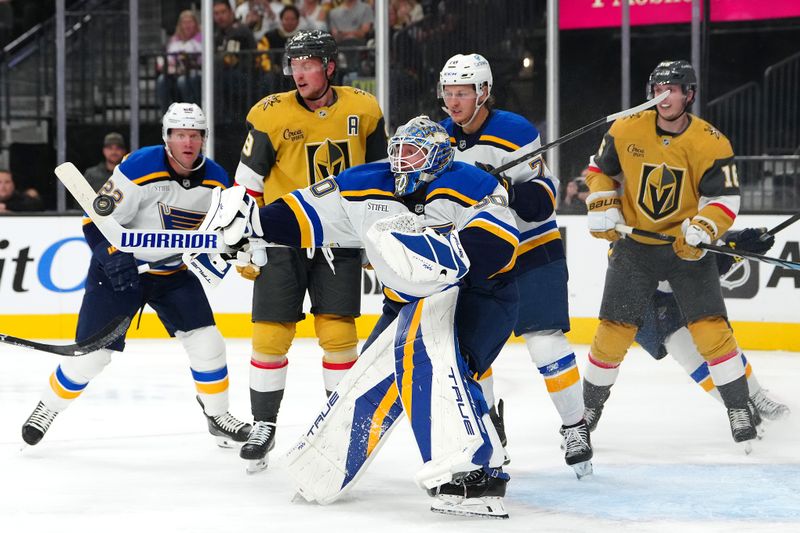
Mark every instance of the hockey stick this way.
pixel 96 207
pixel 101 339
pixel 580 131
pixel 782 226
pixel 725 250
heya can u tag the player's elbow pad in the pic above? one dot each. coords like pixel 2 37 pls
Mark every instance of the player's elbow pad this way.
pixel 531 202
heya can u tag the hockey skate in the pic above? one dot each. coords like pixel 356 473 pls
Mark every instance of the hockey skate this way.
pixel 577 448
pixel 475 493
pixel 37 424
pixel 591 415
pixel 226 428
pixel 260 443
pixel 594 398
pixel 743 428
pixel 769 408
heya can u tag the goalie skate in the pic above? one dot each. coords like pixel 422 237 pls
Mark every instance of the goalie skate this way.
pixel 474 494
pixel 255 451
pixel 226 428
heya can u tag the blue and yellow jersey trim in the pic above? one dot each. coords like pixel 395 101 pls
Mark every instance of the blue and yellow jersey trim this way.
pixel 549 187
pixel 538 236
pixel 311 232
pixel 367 194
pixel 397 296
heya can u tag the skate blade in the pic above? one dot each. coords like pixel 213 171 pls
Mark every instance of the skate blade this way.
pixel 583 469
pixel 227 442
pixel 254 466
pixel 747 446
pixel 487 507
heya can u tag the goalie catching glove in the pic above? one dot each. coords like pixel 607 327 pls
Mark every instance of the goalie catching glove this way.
pixel 604 214
pixel 418 254
pixel 235 214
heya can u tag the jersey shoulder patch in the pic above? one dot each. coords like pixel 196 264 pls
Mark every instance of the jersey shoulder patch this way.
pixel 360 100
pixel 264 111
pixel 145 165
pixel 709 140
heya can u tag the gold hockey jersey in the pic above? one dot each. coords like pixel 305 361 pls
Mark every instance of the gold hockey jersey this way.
pixel 666 178
pixel 289 146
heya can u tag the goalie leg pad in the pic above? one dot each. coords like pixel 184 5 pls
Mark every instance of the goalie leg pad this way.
pixel 350 428
pixel 444 406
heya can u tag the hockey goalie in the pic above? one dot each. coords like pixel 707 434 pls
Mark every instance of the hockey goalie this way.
pixel 442 242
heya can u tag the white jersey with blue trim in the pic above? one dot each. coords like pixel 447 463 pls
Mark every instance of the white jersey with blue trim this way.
pixel 339 211
pixel 503 137
pixel 149 195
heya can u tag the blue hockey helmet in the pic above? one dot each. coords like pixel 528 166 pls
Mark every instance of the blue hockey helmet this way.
pixel 418 152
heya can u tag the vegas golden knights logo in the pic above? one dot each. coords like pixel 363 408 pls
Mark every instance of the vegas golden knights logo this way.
pixel 328 158
pixel 660 190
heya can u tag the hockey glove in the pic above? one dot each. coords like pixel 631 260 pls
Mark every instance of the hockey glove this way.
pixel 235 214
pixel 119 267
pixel 251 258
pixel 750 240
pixel 504 180
pixel 694 234
pixel 604 214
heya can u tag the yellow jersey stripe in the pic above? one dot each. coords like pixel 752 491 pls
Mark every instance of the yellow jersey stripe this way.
pixel 495 230
pixel 453 193
pixel 544 239
pixel 549 192
pixel 214 183
pixel 367 192
pixel 498 140
pixel 302 220
pixel 150 177
pixel 393 295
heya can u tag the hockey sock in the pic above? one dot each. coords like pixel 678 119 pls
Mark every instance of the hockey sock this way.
pixel 206 350
pixel 486 381
pixel 682 348
pixel 267 383
pixel 71 378
pixel 728 375
pixel 334 366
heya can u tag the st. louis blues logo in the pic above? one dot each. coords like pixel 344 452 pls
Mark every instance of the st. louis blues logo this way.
pixel 175 218
pixel 660 190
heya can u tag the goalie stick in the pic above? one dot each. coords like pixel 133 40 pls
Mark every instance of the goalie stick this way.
pixel 580 131
pixel 726 250
pixel 101 339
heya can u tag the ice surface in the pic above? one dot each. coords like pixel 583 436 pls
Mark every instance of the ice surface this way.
pixel 133 454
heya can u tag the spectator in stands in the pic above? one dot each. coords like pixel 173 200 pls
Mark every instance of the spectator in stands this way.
pixel 113 151
pixel 313 15
pixel 260 16
pixel 574 197
pixel 12 200
pixel 271 63
pixel 231 37
pixel 408 12
pixel 180 81
pixel 350 24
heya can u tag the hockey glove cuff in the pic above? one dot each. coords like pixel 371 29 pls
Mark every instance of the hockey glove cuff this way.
pixel 685 246
pixel 604 214
pixel 119 267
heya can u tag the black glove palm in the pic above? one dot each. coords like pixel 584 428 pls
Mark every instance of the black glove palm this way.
pixel 505 181
pixel 119 267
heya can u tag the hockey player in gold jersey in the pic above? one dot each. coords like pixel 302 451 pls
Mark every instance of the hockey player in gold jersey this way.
pixel 667 171
pixel 295 139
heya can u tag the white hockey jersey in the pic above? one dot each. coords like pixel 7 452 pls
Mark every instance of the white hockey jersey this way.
pixel 149 195
pixel 339 211
pixel 503 137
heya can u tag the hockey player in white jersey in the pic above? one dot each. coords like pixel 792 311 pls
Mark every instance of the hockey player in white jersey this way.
pixel 433 230
pixel 490 138
pixel 167 186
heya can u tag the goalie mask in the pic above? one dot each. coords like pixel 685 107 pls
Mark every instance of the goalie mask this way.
pixel 470 69
pixel 184 116
pixel 678 72
pixel 418 152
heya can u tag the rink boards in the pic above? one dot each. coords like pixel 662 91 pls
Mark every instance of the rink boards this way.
pixel 43 267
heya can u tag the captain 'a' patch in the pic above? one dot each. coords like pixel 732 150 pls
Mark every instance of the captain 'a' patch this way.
pixel 328 158
pixel 176 218
pixel 660 190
